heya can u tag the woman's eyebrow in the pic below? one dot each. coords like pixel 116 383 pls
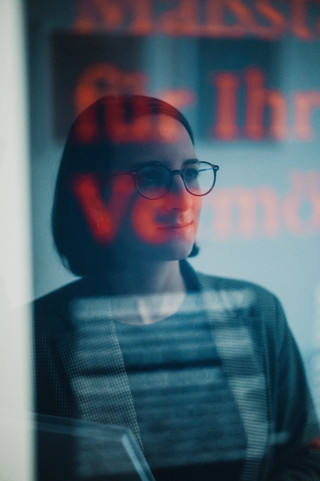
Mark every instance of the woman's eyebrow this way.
pixel 191 161
pixel 149 162
pixel 163 163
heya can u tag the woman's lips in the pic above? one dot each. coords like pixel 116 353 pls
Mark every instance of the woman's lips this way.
pixel 176 226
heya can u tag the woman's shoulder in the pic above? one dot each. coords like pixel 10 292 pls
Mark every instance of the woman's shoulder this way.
pixel 54 308
pixel 56 297
pixel 239 297
pixel 209 281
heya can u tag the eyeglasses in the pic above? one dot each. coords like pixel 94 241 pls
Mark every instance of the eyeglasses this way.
pixel 154 180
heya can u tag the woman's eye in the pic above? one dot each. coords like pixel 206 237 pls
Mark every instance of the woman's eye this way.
pixel 191 173
pixel 150 176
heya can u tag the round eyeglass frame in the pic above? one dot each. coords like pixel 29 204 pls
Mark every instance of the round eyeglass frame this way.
pixel 172 172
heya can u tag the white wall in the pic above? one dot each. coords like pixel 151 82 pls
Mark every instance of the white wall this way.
pixel 16 461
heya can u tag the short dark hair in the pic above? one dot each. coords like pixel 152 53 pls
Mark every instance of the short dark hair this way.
pixel 88 149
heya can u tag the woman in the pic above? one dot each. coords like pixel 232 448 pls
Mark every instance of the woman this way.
pixel 203 370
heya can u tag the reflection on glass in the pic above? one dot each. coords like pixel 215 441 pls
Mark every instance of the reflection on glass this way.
pixel 203 370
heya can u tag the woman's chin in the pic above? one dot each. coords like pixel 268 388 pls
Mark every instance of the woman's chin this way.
pixel 169 251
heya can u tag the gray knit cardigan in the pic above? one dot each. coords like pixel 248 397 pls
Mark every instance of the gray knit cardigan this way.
pixel 257 351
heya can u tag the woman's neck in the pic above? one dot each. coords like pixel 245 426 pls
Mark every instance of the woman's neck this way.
pixel 158 290
pixel 145 278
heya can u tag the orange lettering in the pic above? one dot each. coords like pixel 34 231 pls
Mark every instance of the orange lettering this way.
pixel 305 102
pixel 114 14
pixel 93 14
pixel 275 18
pixel 232 18
pixel 142 127
pixel 103 220
pixel 138 129
pixel 216 24
pixel 145 218
pixel 278 106
pixel 141 17
pixel 214 18
pixel 258 98
pixel 305 189
pixel 104 79
pixel 245 203
pixel 237 210
pixel 226 106
pixel 184 20
pixel 179 98
pixel 299 14
pixel 242 13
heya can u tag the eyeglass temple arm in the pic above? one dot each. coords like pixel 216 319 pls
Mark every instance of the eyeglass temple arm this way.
pixel 133 172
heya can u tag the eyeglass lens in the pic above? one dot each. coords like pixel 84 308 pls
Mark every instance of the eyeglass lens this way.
pixel 154 181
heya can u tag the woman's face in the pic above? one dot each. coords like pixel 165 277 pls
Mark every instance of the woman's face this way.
pixel 159 229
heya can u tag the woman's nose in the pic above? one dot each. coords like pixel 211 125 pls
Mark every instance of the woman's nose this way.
pixel 180 198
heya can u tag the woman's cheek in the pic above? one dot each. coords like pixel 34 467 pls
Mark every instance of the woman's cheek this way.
pixel 197 205
pixel 104 218
pixel 148 227
pixel 145 224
